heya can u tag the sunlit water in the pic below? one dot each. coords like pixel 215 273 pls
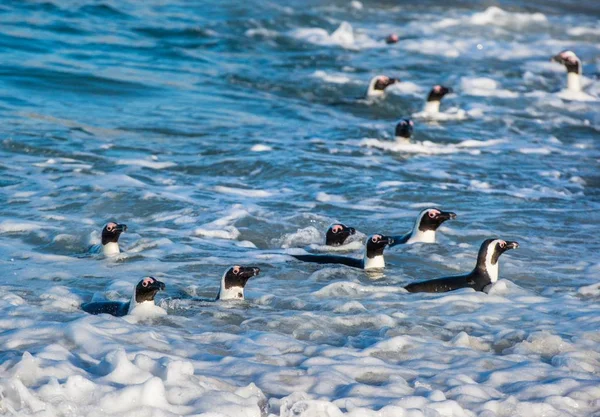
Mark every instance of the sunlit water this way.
pixel 231 134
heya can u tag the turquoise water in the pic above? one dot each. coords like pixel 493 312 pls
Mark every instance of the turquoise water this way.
pixel 231 134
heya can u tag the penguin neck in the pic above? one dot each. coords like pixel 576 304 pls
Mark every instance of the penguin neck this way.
pixel 375 262
pixel 111 248
pixel 432 107
pixel 133 304
pixel 420 236
pixel 231 293
pixel 574 82
pixel 372 93
pixel 486 267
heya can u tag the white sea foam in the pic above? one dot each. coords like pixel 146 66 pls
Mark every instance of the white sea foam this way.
pixel 344 36
pixel 486 87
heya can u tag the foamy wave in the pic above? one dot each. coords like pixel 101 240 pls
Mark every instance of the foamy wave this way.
pixel 145 163
pixel 332 78
pixel 497 17
pixel 243 192
pixel 343 36
pixel 485 87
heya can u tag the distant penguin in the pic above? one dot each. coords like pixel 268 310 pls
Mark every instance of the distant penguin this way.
pixel 574 69
pixel 337 234
pixel 234 281
pixel 143 295
pixel 484 274
pixel 391 38
pixel 404 129
pixel 372 259
pixel 378 84
pixel 110 239
pixel 425 227
pixel 432 106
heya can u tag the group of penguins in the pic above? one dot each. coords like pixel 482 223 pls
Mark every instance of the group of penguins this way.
pixel 235 278
pixel 404 128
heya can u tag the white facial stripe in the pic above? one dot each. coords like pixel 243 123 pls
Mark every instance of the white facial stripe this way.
pixel 492 270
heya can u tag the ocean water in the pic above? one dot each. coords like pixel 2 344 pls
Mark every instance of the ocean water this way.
pixel 230 133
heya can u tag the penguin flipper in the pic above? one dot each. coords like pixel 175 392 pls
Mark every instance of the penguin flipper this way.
pixel 444 284
pixel 331 259
pixel 399 240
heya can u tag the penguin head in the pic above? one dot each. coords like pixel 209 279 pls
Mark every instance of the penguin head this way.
pixel 438 92
pixel 376 244
pixel 490 251
pixel 571 61
pixel 378 84
pixel 404 128
pixel 147 288
pixel 234 280
pixel 432 218
pixel 112 231
pixel 337 234
pixel 391 38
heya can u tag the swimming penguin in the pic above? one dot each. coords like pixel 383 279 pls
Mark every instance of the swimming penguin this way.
pixel 234 281
pixel 574 70
pixel 143 294
pixel 378 84
pixel 110 239
pixel 432 106
pixel 484 274
pixel 337 234
pixel 425 226
pixel 404 129
pixel 373 257
pixel 391 38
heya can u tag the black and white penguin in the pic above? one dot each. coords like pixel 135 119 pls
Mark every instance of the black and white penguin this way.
pixel 484 274
pixel 432 106
pixel 110 239
pixel 378 84
pixel 234 281
pixel 372 259
pixel 337 234
pixel 425 227
pixel 143 298
pixel 574 69
pixel 391 38
pixel 404 129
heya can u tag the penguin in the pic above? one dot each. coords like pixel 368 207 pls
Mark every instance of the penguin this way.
pixel 378 84
pixel 404 129
pixel 425 226
pixel 234 281
pixel 372 259
pixel 143 294
pixel 432 106
pixel 110 239
pixel 391 39
pixel 574 69
pixel 484 274
pixel 337 234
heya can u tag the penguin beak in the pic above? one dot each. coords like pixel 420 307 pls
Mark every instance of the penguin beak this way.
pixel 121 228
pixel 250 271
pixel 386 240
pixel 446 215
pixel 557 58
pixel 351 230
pixel 511 245
pixel 157 286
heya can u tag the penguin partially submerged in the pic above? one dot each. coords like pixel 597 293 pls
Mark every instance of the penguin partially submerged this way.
pixel 434 98
pixel 372 259
pixel 234 281
pixel 143 296
pixel 337 234
pixel 484 274
pixel 574 69
pixel 110 239
pixel 404 129
pixel 378 84
pixel 426 224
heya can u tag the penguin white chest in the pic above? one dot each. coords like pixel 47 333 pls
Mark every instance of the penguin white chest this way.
pixel 375 262
pixel 111 248
pixel 231 293
pixel 427 236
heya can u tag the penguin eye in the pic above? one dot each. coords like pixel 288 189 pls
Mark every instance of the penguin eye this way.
pixel 147 281
pixel 236 270
pixel 502 244
pixel 337 228
pixel 375 239
pixel 110 228
pixel 432 214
